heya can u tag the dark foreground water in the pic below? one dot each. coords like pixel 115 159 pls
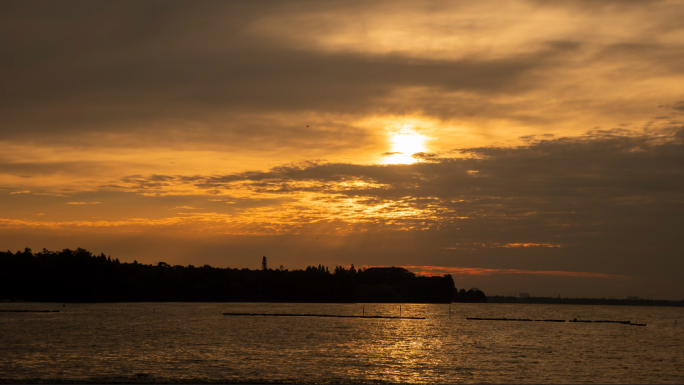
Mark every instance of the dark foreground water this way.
pixel 193 342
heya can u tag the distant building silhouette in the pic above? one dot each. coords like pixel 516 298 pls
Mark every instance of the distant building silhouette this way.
pixel 395 271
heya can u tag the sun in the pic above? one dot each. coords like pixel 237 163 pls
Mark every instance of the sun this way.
pixel 404 144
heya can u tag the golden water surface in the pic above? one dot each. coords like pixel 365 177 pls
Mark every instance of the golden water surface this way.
pixel 186 342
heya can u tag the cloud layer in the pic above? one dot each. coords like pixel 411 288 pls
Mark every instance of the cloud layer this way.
pixel 223 74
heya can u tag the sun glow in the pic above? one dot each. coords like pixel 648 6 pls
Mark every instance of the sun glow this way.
pixel 404 144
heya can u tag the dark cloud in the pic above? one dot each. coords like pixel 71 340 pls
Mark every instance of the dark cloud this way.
pixel 43 168
pixel 167 87
pixel 173 73
pixel 608 5
pixel 138 65
pixel 608 161
pixel 566 186
pixel 679 106
pixel 627 59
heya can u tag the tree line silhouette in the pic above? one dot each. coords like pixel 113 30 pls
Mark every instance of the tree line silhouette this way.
pixel 79 276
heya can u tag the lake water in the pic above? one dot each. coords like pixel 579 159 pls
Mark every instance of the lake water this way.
pixel 193 342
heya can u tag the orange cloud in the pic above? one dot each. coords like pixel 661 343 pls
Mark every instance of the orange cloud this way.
pixel 509 245
pixel 504 245
pixel 440 270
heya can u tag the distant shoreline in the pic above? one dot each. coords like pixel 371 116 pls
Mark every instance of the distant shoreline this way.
pixel 218 301
pixel 167 380
pixel 583 301
pixel 79 276
pixel 492 299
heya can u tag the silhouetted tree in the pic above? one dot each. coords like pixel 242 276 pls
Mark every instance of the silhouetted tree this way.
pixel 80 276
pixel 472 295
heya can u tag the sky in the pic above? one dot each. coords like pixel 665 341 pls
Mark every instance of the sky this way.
pixel 533 146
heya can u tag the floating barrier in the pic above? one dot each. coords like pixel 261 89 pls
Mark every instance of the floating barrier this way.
pixel 318 315
pixel 511 319
pixel 554 320
pixel 29 311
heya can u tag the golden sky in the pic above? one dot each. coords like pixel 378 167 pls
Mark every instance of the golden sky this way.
pixel 522 145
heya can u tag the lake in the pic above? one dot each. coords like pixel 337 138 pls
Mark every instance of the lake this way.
pixel 193 342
